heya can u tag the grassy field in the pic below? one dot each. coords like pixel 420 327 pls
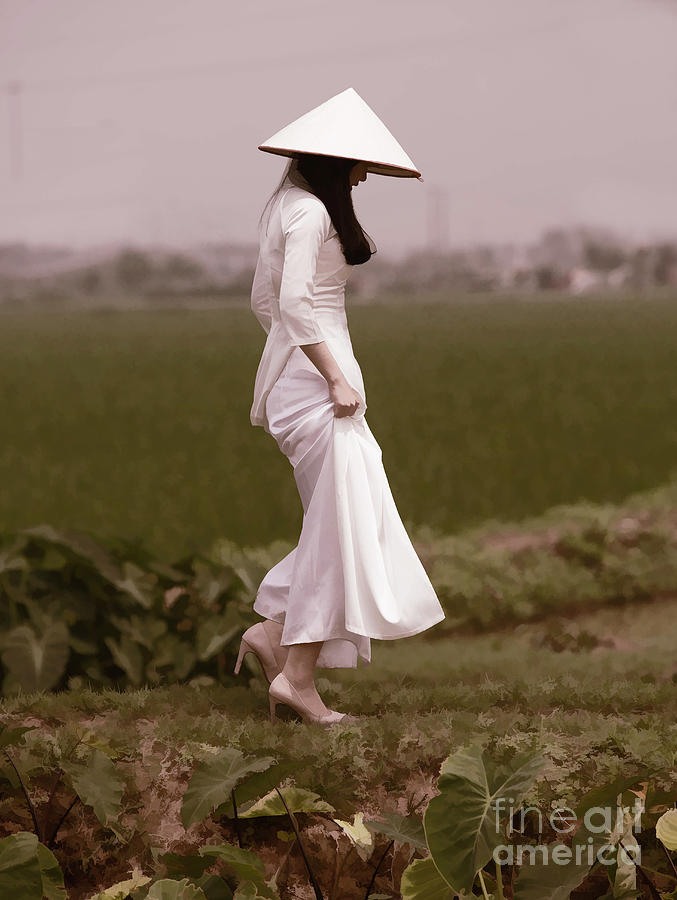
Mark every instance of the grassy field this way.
pixel 136 423
pixel 560 629
pixel 599 708
pixel 598 711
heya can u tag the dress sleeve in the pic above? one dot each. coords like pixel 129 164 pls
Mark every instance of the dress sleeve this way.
pixel 262 294
pixel 306 227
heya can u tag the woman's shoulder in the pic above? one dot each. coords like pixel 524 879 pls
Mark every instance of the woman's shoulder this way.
pixel 301 208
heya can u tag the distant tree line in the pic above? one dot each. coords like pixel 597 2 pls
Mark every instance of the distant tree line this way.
pixel 562 259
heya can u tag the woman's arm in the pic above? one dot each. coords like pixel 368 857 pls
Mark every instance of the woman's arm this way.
pixel 305 227
pixel 346 399
pixel 261 295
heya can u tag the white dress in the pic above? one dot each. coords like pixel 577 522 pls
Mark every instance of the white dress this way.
pixel 354 574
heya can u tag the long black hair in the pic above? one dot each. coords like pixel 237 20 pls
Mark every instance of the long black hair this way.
pixel 327 178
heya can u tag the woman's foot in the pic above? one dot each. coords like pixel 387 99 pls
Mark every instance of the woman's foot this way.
pixel 282 691
pixel 295 687
pixel 307 691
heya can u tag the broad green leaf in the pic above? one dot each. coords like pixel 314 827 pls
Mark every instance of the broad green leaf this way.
pixel 422 881
pixel 36 663
pixel 184 866
pixel 173 654
pixel 214 887
pixel 20 876
pixel 464 824
pixel 141 630
pixel 545 879
pixel 215 632
pixel 82 545
pixel 405 829
pixel 53 560
pixel 246 891
pixel 138 584
pixel 10 737
pixel 32 762
pixel 168 889
pixel 297 799
pixel 359 835
pixel 122 889
pixel 256 786
pixel 606 794
pixel 98 784
pixel 11 558
pixel 246 865
pixel 128 656
pixel 214 779
pixel 52 876
pixel 211 581
pixel 604 824
pixel 658 800
pixel 83 647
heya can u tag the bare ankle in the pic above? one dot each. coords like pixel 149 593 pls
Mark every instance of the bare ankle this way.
pixel 301 680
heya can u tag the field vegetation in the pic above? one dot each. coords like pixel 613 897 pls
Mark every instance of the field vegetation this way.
pixel 136 423
pixel 530 448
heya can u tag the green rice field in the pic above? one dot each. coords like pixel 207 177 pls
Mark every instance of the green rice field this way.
pixel 136 422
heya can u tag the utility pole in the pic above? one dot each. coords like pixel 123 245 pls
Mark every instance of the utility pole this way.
pixel 14 91
pixel 438 219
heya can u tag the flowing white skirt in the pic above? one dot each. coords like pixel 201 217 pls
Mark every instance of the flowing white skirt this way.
pixel 354 574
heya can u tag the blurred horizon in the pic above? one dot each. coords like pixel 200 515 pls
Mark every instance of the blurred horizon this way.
pixel 139 123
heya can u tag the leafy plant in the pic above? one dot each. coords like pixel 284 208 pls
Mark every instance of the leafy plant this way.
pixel 465 822
pixel 245 864
pixel 215 780
pixel 76 612
pixel 92 777
pixel 28 869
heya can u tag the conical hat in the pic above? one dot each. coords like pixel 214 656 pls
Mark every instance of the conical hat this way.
pixel 344 126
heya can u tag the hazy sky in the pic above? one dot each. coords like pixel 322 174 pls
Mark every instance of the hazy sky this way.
pixel 140 119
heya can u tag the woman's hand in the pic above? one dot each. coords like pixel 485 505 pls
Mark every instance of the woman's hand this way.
pixel 346 399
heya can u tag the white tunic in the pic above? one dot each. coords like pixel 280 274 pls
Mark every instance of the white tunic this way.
pixel 298 291
pixel 354 574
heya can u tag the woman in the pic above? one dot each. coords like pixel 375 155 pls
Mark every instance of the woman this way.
pixel 354 574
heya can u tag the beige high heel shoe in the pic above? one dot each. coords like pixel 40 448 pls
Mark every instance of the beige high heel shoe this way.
pixel 282 691
pixel 255 640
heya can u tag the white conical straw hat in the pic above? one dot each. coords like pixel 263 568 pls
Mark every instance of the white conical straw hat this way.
pixel 344 126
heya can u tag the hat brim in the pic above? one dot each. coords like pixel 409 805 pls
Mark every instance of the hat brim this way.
pixel 374 166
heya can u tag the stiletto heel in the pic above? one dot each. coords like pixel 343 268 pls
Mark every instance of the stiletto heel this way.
pixel 273 704
pixel 244 650
pixel 256 640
